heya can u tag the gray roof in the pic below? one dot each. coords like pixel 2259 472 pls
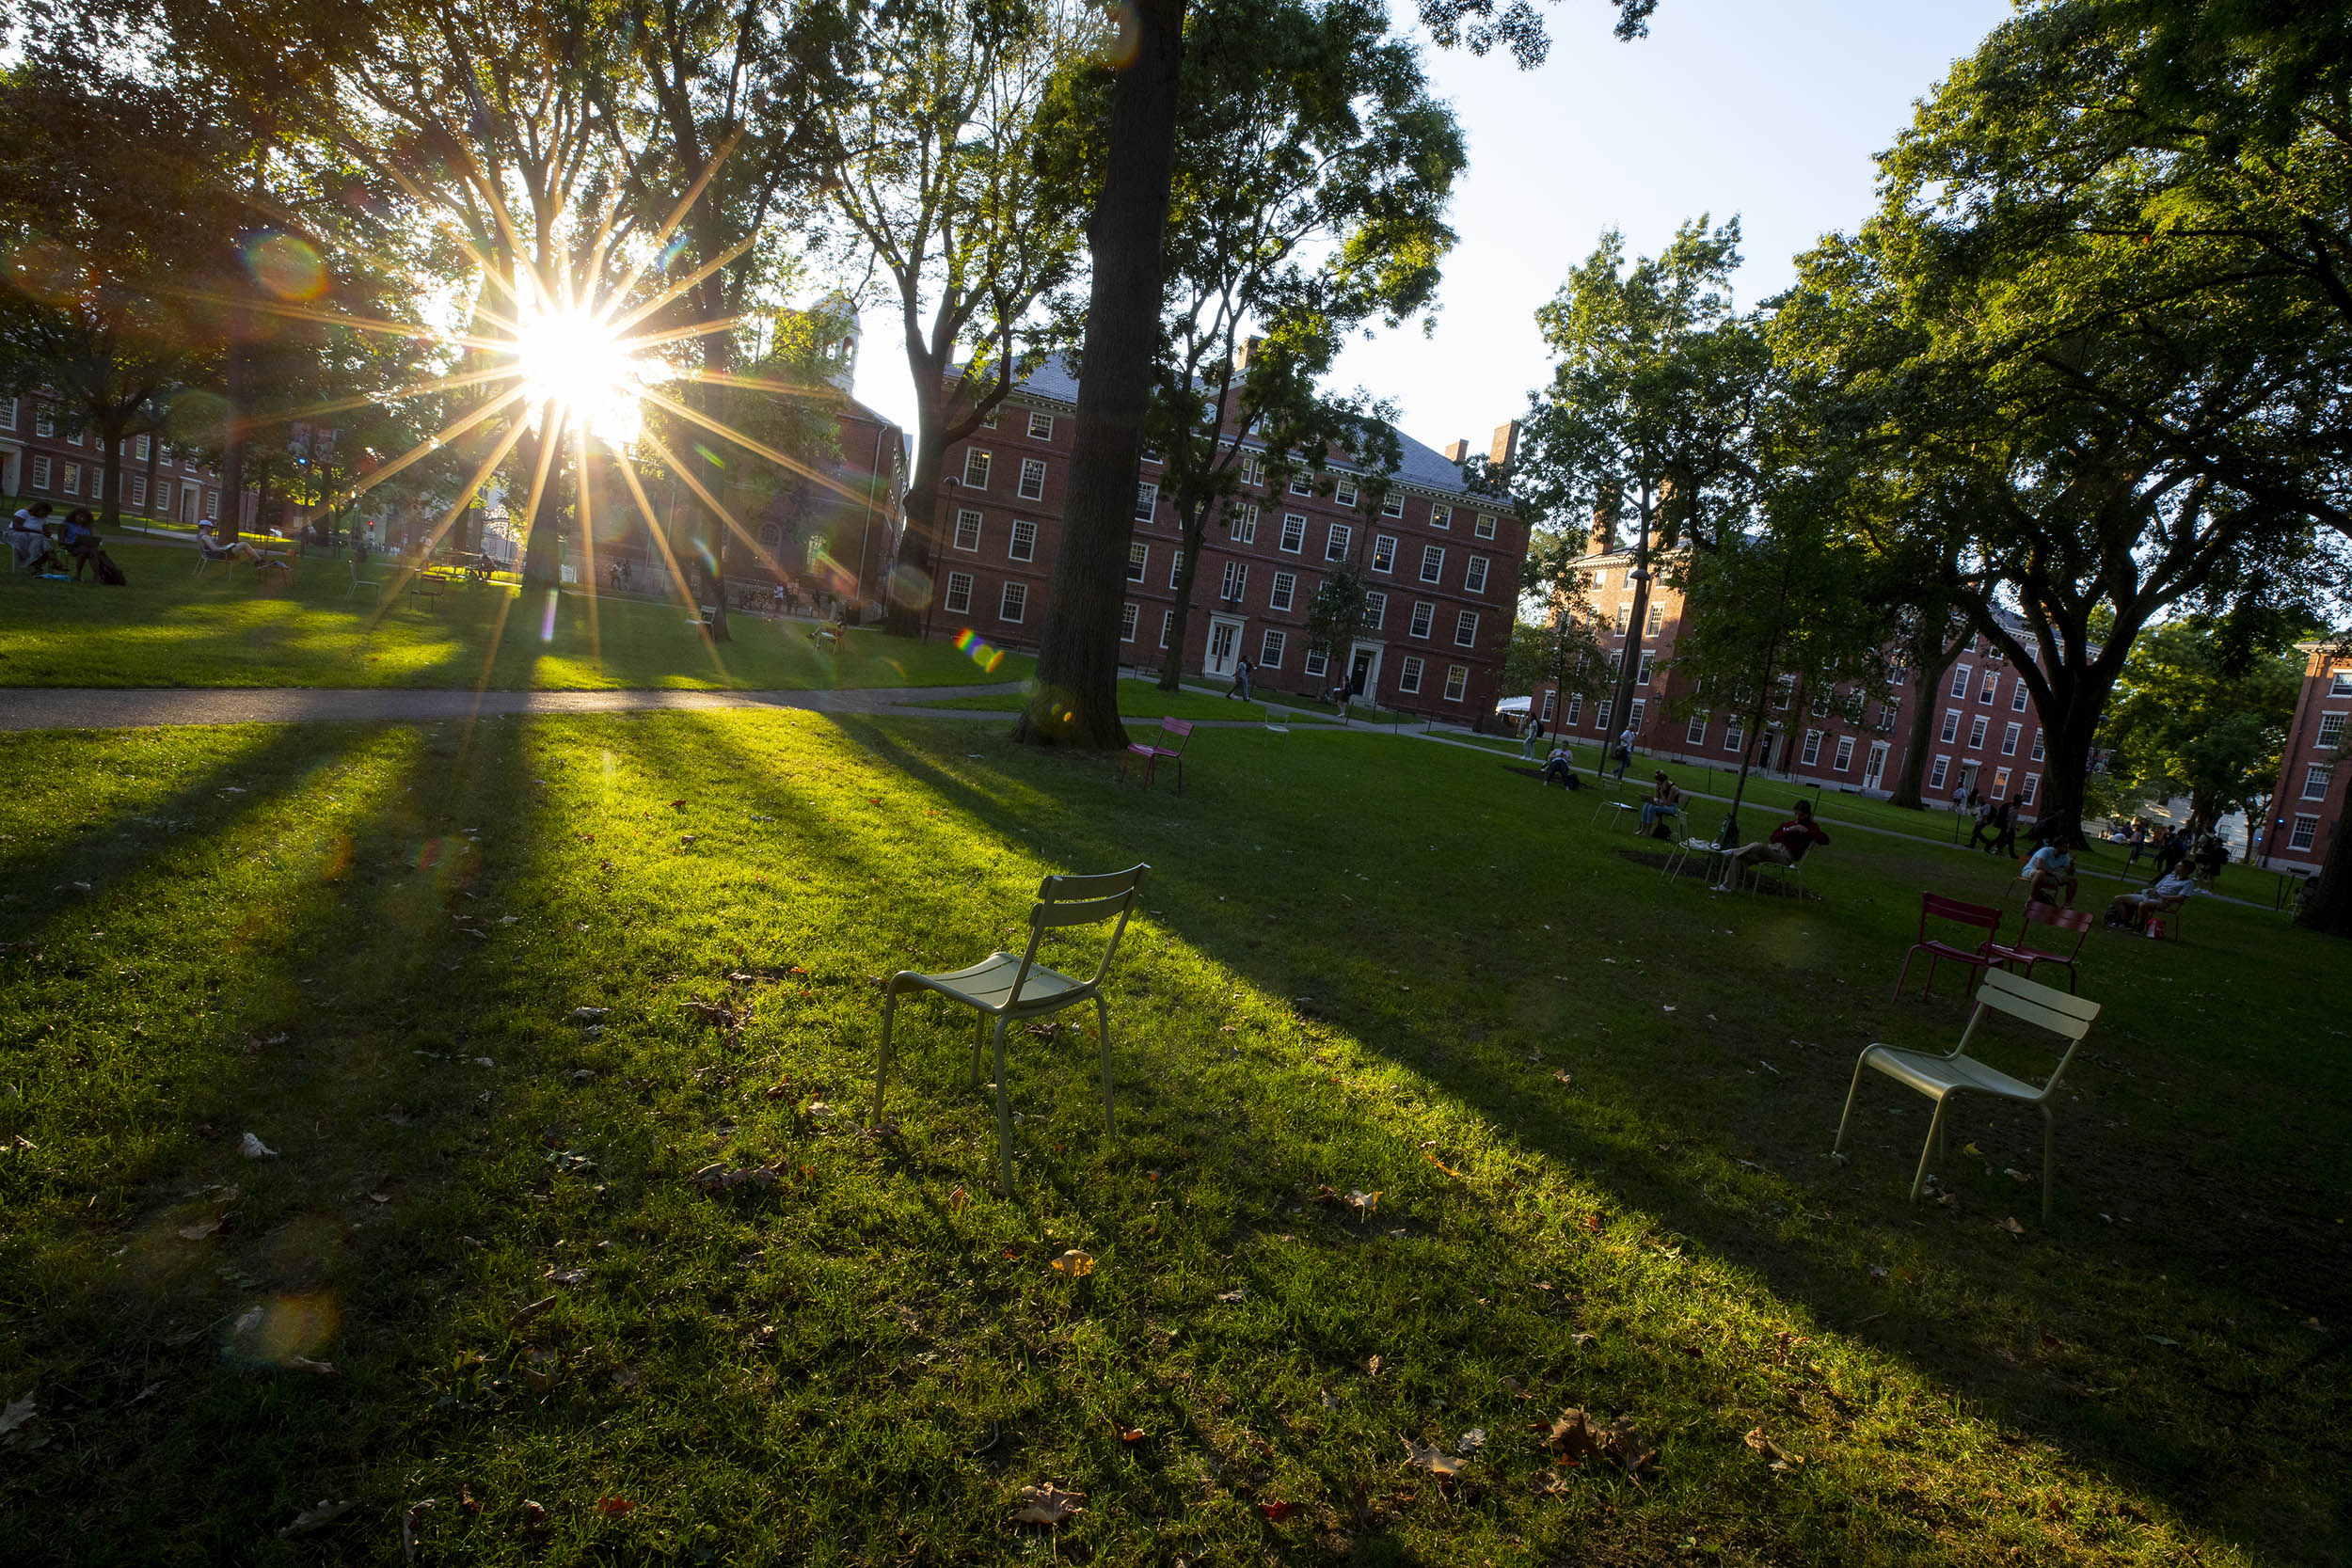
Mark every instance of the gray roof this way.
pixel 1422 468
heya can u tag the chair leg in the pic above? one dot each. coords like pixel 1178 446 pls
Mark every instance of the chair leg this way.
pixel 1935 1137
pixel 1103 1019
pixel 882 1066
pixel 1851 1094
pixel 979 1046
pixel 1004 1110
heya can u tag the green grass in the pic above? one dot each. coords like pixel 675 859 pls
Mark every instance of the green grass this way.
pixel 1141 699
pixel 1592 1103
pixel 170 627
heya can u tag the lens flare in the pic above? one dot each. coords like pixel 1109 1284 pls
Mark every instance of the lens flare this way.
pixel 286 266
pixel 969 645
pixel 572 360
pixel 547 619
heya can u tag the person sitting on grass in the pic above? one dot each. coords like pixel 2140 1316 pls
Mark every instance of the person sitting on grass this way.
pixel 28 542
pixel 1560 766
pixel 1788 845
pixel 1664 803
pixel 2132 911
pixel 2050 869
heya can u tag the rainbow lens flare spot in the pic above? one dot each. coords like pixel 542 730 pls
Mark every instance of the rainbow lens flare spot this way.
pixel 969 645
pixel 286 266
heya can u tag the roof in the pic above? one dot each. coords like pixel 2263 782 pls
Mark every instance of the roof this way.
pixel 1419 467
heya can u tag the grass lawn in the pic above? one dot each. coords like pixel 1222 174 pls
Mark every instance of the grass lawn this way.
pixel 474 1293
pixel 1143 701
pixel 170 627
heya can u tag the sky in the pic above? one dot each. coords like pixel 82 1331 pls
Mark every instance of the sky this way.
pixel 1770 109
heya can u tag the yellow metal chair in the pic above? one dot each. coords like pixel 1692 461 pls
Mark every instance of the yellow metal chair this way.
pixel 1005 988
pixel 1941 1077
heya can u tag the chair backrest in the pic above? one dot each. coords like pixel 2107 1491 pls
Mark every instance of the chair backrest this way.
pixel 1084 900
pixel 1181 730
pixel 2044 1007
pixel 1934 906
pixel 2076 920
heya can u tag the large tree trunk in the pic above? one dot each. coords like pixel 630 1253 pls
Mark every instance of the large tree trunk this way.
pixel 233 442
pixel 918 545
pixel 1193 530
pixel 1075 697
pixel 1915 767
pixel 541 547
pixel 1629 659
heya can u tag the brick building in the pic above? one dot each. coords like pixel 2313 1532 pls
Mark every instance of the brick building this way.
pixel 2307 801
pixel 1441 563
pixel 40 459
pixel 1987 737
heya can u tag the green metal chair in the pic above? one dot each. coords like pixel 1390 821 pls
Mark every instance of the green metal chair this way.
pixel 1941 1077
pixel 1007 987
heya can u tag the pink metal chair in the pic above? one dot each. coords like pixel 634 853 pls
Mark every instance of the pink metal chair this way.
pixel 1934 906
pixel 2014 954
pixel 1157 752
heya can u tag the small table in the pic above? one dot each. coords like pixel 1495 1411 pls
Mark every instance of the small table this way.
pixel 1626 809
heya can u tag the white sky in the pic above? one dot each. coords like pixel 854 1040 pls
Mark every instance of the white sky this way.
pixel 1772 109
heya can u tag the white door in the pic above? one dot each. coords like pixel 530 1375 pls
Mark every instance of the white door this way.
pixel 1876 766
pixel 1363 670
pixel 1224 642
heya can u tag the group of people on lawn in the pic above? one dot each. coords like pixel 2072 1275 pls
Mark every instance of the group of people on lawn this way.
pixel 33 548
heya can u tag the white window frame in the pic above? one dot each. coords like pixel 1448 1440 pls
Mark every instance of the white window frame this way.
pixel 1811 757
pixel 2019 696
pixel 1271 648
pixel 1336 539
pixel 1735 738
pixel 1600 716
pixel 959 597
pixel 1315 664
pixel 1474 575
pixel 1408 675
pixel 1285 590
pixel 1432 564
pixel 1345 493
pixel 967 529
pixel 1139 561
pixel 1012 602
pixel 1393 504
pixel 2330 729
pixel 2340 684
pixel 44 420
pixel 1457 682
pixel 1384 552
pixel 1963 676
pixel 1236 581
pixel 1175 567
pixel 138 489
pixel 1950 733
pixel 1168 624
pixel 2000 783
pixel 981 459
pixel 1128 615
pixel 1694 732
pixel 1978 728
pixel 1032 485
pixel 1147 500
pixel 1376 610
pixel 1041 429
pixel 2317 776
pixel 1241 521
pixel 1302 484
pixel 1842 758
pixel 2025 790
pixel 1021 543
pixel 1575 710
pixel 2010 736
pixel 2304 834
pixel 1937 772
pixel 1466 629
pixel 1439 516
pixel 1551 703
pixel 1989 691
pixel 1424 618
pixel 1294 539
pixel 72 483
pixel 1643 671
pixel 2037 753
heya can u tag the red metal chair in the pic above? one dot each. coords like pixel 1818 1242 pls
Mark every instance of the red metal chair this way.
pixel 1934 906
pixel 2011 954
pixel 1154 752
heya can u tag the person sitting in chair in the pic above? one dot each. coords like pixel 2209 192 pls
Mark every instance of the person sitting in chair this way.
pixel 1788 845
pixel 1663 806
pixel 1561 767
pixel 2050 869
pixel 2133 909
pixel 28 542
pixel 208 541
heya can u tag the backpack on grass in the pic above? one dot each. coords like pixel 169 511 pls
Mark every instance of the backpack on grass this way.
pixel 109 573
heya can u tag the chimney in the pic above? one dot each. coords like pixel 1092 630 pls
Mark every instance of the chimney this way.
pixel 1506 445
pixel 1458 453
pixel 1247 351
pixel 1604 535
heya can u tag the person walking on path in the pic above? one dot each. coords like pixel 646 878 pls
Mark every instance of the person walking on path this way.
pixel 1241 679
pixel 2005 818
pixel 1982 834
pixel 2138 839
pixel 1532 740
pixel 1625 751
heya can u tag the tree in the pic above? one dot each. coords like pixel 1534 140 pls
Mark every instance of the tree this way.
pixel 961 162
pixel 1079 648
pixel 1335 618
pixel 1562 644
pixel 2201 709
pixel 1653 403
pixel 1311 188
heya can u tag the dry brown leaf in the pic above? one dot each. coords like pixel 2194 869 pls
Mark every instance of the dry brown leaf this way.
pixel 200 1230
pixel 1047 1505
pixel 527 1313
pixel 1278 1512
pixel 534 1513
pixel 1550 1484
pixel 613 1506
pixel 1782 1459
pixel 1575 1436
pixel 1363 1201
pixel 1077 1263
pixel 1231 1295
pixel 1372 1368
pixel 1435 1461
pixel 2012 1226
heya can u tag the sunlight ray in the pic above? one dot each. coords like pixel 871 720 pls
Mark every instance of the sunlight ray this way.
pixel 751 383
pixel 674 290
pixel 677 571
pixel 677 215
pixel 760 448
pixel 417 389
pixel 583 482
pixel 679 334
pixel 759 551
pixel 431 444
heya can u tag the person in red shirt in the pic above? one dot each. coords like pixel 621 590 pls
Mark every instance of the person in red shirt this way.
pixel 1788 845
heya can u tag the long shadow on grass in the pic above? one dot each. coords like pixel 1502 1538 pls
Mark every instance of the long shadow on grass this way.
pixel 2190 1457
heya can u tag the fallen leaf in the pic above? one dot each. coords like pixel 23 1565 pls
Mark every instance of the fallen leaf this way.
pixel 1577 1436
pixel 1129 1434
pixel 1372 1368
pixel 1782 1459
pixel 1550 1484
pixel 1470 1441
pixel 1586 1338
pixel 678 805
pixel 534 1513
pixel 1564 1075
pixel 16 1415
pixel 569 1277
pixel 1077 1263
pixel 527 1313
pixel 2014 1174
pixel 2012 1226
pixel 589 1015
pixel 200 1230
pixel 610 1506
pixel 304 1363
pixel 1046 1505
pixel 1330 1400
pixel 1592 1223
pixel 958 1198
pixel 1367 1202
pixel 254 1148
pixel 1972 1148
pixel 1231 1295
pixel 2158 1339
pixel 466 1499
pixel 1435 1461
pixel 1278 1512
pixel 312 1518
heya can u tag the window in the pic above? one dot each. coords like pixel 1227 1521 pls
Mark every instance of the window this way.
pixel 1975 732
pixel 1167 625
pixel 1175 567
pixel 1960 680
pixel 1456 681
pixel 1375 610
pixel 1408 677
pixel 2000 782
pixel 1656 620
pixel 1040 426
pixel 1127 622
pixel 1812 754
pixel 1424 615
pixel 73 437
pixel 1600 714
pixel 1384 552
pixel 1432 563
pixel 7 421
pixel 967 530
pixel 1302 485
pixel 1640 673
pixel 139 448
pixel 1786 694
pixel 1696 734
pixel 2315 779
pixel 959 600
pixel 1032 487
pixel 1241 521
pixel 2340 684
pixel 975 465
pixel 1236 578
pixel 1474 575
pixel 1151 456
pixel 1336 539
pixel 1935 774
pixel 2008 740
pixel 1023 544
pixel 1576 709
pixel 1285 590
pixel 1345 494
pixel 1634 713
pixel 1294 532
pixel 1844 759
pixel 1990 689
pixel 211 504
pixel 2019 697
pixel 1254 471
pixel 1270 650
pixel 1314 663
pixel 1951 726
pixel 2024 794
pixel 1392 505
pixel 2306 829
pixel 44 420
pixel 2036 754
pixel 1735 739
pixel 1441 516
pixel 1139 561
pixel 1485 526
pixel 2330 729
pixel 1552 700
pixel 1147 497
pixel 1465 629
pixel 988 421
pixel 138 489
pixel 72 486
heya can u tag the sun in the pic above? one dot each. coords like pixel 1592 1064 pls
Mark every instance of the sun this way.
pixel 582 366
